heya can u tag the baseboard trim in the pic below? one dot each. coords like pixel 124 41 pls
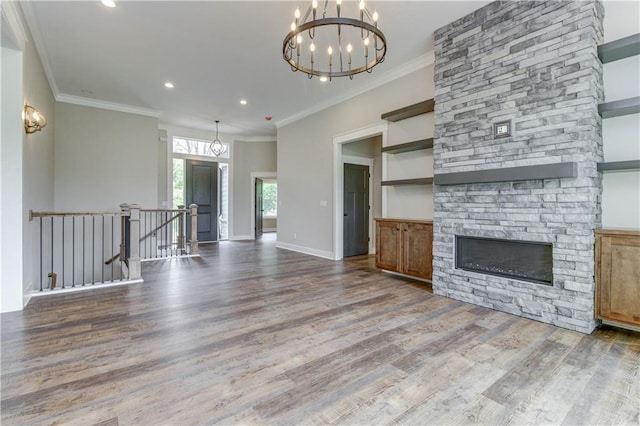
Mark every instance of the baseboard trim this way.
pixel 306 250
pixel 240 237
pixel 67 290
pixel 269 229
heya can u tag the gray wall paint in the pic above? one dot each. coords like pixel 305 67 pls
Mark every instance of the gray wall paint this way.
pixel 248 157
pixel 104 158
pixel 305 157
pixel 38 161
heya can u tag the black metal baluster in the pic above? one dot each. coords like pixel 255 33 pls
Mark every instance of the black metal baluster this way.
pixel 62 269
pixel 93 250
pixel 73 251
pixel 102 247
pixel 51 251
pixel 112 221
pixel 84 262
pixel 41 271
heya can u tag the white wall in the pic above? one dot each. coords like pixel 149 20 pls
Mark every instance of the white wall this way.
pixel 249 157
pixel 104 158
pixel 11 248
pixel 621 135
pixel 305 157
pixel 38 162
pixel 27 172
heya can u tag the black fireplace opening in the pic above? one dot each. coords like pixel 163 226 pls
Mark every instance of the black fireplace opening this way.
pixel 521 260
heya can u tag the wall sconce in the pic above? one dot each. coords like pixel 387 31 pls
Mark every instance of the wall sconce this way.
pixel 33 119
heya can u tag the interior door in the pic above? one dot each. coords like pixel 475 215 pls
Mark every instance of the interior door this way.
pixel 356 210
pixel 201 188
pixel 259 208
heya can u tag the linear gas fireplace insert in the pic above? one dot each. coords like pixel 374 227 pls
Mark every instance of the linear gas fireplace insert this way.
pixel 521 260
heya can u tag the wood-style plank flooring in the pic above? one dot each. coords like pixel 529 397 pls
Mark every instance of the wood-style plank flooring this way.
pixel 251 334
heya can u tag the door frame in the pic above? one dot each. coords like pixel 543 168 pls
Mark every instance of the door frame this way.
pixel 361 161
pixel 252 182
pixel 378 129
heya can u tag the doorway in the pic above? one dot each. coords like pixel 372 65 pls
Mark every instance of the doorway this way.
pixel 265 216
pixel 356 210
pixel 201 188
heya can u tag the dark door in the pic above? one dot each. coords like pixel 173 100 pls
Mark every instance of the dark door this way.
pixel 202 189
pixel 259 208
pixel 356 210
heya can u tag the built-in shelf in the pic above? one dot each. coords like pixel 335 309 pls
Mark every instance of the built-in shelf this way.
pixel 409 111
pixel 619 49
pixel 416 181
pixel 619 166
pixel 409 146
pixel 508 174
pixel 619 108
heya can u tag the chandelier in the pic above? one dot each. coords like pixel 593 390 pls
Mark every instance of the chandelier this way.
pixel 217 147
pixel 334 46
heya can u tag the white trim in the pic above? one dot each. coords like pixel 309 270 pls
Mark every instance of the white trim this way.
pixel 338 177
pixel 365 161
pixel 112 106
pixel 393 74
pixel 241 237
pixel 12 17
pixel 32 23
pixel 270 230
pixel 306 250
pixel 252 181
pixel 67 290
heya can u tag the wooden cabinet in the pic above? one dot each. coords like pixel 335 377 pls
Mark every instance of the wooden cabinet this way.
pixel 405 246
pixel 618 276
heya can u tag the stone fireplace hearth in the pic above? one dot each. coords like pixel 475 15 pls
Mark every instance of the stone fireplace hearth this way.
pixel 535 65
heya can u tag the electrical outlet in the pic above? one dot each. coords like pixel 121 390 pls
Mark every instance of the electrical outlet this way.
pixel 295 236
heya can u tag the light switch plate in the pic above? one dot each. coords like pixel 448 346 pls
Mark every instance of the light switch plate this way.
pixel 502 129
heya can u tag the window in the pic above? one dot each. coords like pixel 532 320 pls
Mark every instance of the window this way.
pixel 270 198
pixel 196 147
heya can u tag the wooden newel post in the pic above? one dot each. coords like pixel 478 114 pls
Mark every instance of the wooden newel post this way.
pixel 181 222
pixel 134 242
pixel 194 228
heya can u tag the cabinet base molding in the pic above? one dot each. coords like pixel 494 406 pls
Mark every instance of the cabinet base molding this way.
pixel 621 325
pixel 411 277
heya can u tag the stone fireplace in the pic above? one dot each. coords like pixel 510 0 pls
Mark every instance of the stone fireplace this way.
pixel 535 188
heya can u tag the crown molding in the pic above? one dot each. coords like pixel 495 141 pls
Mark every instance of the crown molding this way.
pixel 256 139
pixel 11 15
pixel 393 74
pixel 95 103
pixel 34 28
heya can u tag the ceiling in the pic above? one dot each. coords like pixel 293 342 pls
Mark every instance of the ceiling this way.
pixel 215 53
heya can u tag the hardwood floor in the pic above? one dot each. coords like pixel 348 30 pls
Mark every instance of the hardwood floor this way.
pixel 250 334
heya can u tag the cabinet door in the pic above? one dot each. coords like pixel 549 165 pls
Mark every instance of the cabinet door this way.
pixel 417 247
pixel 618 284
pixel 388 235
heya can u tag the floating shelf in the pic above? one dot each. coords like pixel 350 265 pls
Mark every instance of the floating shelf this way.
pixel 619 166
pixel 409 146
pixel 620 108
pixel 619 49
pixel 416 181
pixel 410 111
pixel 541 171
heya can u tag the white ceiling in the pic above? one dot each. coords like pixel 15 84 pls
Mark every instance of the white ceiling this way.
pixel 215 52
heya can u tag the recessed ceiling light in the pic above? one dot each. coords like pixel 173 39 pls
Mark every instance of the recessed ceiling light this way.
pixel 323 79
pixel 108 3
pixel 243 101
pixel 169 85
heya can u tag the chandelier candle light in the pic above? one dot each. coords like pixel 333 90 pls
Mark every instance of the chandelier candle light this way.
pixel 353 45
pixel 217 147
